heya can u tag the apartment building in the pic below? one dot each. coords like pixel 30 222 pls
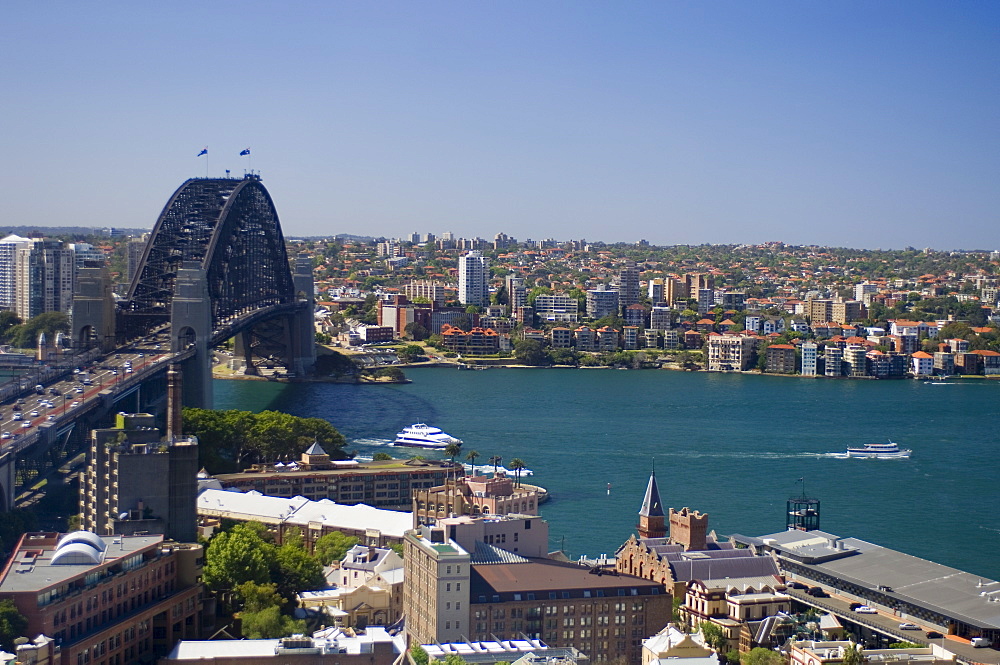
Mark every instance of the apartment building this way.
pixel 44 277
pixel 474 495
pixel 780 359
pixel 601 303
pixel 473 279
pixel 106 600
pixel 730 353
pixel 557 307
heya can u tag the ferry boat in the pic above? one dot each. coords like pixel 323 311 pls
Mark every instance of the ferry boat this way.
pixel 421 435
pixel 888 450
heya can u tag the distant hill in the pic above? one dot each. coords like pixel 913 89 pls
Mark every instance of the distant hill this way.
pixel 38 231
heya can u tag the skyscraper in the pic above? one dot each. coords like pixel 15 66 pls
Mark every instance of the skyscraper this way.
pixel 628 285
pixel 8 281
pixel 44 272
pixel 473 279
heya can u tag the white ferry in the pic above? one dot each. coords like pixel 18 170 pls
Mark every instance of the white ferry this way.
pixel 424 436
pixel 888 450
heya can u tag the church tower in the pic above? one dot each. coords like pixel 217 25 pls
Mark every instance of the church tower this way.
pixel 651 517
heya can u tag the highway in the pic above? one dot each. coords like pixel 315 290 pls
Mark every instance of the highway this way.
pixel 20 418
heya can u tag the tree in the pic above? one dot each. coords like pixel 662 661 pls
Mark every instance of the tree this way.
pixel 270 623
pixel 293 570
pixel 12 624
pixel 333 546
pixel 416 331
pixel 293 536
pixel 236 556
pixel 517 465
pixel 26 335
pixel 453 450
pixel 852 656
pixel 419 655
pixel 257 597
pixel 8 320
pixel 393 373
pixel 496 461
pixel 762 656
pixel 531 352
pixel 381 457
pixel 714 637
pixel 471 456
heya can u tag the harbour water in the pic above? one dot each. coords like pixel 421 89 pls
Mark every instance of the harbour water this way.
pixel 733 446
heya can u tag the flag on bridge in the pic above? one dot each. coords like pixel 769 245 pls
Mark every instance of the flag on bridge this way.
pixel 245 153
pixel 204 151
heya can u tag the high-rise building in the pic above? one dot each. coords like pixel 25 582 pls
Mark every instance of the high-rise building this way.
pixel 135 249
pixel 86 255
pixel 137 483
pixel 657 290
pixel 628 285
pixel 517 292
pixel 44 272
pixel 473 279
pixel 425 288
pixel 601 303
pixel 557 307
pixel 809 358
pixel 8 278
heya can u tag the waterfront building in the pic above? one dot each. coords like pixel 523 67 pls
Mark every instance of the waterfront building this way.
pixel 780 359
pixel 561 338
pixel 671 340
pixel 908 587
pixel 990 361
pixel 630 338
pixel 474 496
pixel 607 339
pixel 885 365
pixel 651 338
pixel 923 364
pixel 557 307
pixel 137 483
pixel 382 484
pixel 308 519
pixel 944 363
pixel 110 599
pixel 586 339
pixel 729 353
pixel 833 360
pixel 473 279
pixel 601 303
pixel 855 360
pixel 44 277
pixel 809 359
pixel 476 342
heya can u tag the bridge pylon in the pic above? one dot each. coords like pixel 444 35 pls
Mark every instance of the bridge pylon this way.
pixel 304 327
pixel 93 310
pixel 191 324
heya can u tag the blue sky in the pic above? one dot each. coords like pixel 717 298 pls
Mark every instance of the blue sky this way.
pixel 860 124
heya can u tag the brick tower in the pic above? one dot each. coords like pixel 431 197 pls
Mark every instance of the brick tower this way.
pixel 689 528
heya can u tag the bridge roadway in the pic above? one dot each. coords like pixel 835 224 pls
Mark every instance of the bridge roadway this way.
pixel 886 623
pixel 109 377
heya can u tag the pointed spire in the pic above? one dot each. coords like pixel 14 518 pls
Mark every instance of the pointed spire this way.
pixel 315 449
pixel 651 506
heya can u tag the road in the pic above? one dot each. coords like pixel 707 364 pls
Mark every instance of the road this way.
pixel 886 623
pixel 20 418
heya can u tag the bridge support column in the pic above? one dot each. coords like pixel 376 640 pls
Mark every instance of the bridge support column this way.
pixel 93 310
pixel 243 352
pixel 7 476
pixel 191 325
pixel 303 325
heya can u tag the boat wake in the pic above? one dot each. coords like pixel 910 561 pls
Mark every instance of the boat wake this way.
pixel 372 442
pixel 694 454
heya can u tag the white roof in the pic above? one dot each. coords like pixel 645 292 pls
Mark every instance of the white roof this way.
pixel 301 511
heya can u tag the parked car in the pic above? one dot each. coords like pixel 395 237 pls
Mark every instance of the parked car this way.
pixel 909 626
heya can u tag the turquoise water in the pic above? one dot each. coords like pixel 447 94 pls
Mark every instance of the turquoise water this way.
pixel 730 445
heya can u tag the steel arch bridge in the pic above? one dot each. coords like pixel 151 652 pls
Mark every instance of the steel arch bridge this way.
pixel 215 267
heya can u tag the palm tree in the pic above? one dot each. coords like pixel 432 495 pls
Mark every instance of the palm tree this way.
pixel 517 464
pixel 496 460
pixel 453 450
pixel 471 456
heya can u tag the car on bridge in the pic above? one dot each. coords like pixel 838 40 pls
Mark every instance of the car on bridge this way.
pixel 909 626
pixel 6 435
pixel 864 609
pixel 17 416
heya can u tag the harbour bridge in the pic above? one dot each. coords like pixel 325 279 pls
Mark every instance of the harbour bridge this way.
pixel 214 268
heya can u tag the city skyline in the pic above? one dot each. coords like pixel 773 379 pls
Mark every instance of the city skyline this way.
pixel 850 125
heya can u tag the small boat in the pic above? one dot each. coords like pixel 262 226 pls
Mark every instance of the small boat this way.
pixel 888 450
pixel 421 435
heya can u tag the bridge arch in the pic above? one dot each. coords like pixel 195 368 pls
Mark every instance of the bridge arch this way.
pixel 230 228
